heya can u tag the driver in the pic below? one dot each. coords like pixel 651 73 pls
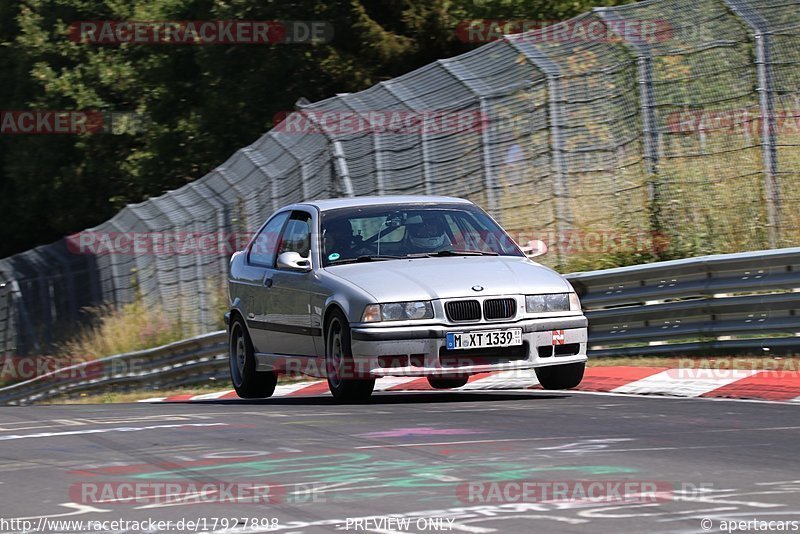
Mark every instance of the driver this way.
pixel 339 238
pixel 429 235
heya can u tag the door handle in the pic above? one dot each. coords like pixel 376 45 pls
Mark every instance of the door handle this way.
pixel 268 282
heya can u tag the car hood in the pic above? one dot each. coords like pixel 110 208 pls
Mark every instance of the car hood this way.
pixel 442 278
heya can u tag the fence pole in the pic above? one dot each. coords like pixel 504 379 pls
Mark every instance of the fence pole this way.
pixel 490 180
pixel 300 163
pixel 426 160
pixel 253 156
pixel 339 159
pixel 650 141
pixel 761 36
pixel 380 186
pixel 552 73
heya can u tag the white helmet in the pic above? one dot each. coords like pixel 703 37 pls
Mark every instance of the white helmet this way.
pixel 428 234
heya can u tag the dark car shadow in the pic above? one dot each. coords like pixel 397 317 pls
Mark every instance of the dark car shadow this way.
pixel 390 397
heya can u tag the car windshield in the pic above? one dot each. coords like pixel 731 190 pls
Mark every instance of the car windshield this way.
pixel 397 231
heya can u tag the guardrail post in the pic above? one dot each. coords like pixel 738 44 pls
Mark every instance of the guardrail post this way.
pixel 761 36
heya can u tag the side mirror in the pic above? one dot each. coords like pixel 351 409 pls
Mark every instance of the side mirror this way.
pixel 294 262
pixel 535 248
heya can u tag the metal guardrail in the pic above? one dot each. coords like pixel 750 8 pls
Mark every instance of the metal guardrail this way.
pixel 720 304
pixel 191 361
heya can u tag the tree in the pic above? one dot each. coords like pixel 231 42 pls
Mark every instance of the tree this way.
pixel 202 103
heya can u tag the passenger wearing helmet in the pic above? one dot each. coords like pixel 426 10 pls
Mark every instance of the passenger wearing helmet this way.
pixel 428 235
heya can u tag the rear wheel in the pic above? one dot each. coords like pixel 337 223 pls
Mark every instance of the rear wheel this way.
pixel 248 383
pixel 561 376
pixel 343 379
pixel 447 382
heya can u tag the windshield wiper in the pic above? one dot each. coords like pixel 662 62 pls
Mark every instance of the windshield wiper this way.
pixel 445 253
pixel 366 258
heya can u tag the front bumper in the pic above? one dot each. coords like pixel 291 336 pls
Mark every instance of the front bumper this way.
pixel 423 348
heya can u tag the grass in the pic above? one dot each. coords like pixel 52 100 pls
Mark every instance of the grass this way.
pixel 132 327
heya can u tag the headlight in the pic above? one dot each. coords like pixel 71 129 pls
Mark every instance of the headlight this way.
pixel 557 302
pixel 398 311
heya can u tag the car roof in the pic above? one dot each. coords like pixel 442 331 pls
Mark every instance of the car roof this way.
pixel 355 202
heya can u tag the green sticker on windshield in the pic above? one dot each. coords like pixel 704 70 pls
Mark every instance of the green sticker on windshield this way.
pixel 333 257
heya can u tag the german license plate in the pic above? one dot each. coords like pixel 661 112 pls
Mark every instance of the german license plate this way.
pixel 484 339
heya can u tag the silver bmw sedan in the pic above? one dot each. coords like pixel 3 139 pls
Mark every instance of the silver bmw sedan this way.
pixel 360 288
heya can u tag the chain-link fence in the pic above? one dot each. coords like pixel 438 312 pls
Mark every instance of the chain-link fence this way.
pixel 615 146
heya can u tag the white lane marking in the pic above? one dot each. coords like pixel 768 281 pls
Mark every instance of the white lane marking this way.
pixel 463 527
pixel 661 397
pixel 627 512
pixel 105 430
pixel 128 418
pixel 211 396
pixel 466 442
pixel 79 509
pixel 504 380
pixel 382 384
pixel 153 399
pixel 671 382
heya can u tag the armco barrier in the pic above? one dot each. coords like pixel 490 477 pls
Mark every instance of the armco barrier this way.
pixel 190 361
pixel 720 304
pixel 726 302
pixel 688 133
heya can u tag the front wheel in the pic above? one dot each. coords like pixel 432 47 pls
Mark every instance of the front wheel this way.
pixel 447 382
pixel 561 376
pixel 248 383
pixel 343 379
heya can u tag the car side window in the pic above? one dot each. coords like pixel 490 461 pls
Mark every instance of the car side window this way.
pixel 264 247
pixel 296 236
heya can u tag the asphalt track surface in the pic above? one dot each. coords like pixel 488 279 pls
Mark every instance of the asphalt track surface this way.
pixel 408 456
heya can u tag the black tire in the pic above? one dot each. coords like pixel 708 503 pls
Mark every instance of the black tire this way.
pixel 561 376
pixel 248 383
pixel 447 382
pixel 339 361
